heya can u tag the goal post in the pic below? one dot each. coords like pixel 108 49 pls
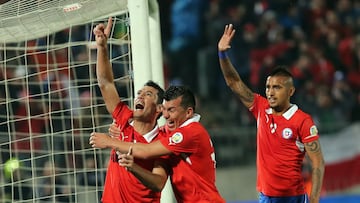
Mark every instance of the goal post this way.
pixel 147 52
pixel 146 44
pixel 49 99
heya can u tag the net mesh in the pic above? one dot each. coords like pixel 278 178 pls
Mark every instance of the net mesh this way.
pixel 50 102
pixel 29 19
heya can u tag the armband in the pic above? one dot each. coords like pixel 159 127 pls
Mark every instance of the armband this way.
pixel 222 54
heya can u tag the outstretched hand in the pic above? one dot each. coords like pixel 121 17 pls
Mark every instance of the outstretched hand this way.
pixel 100 140
pixel 224 42
pixel 102 32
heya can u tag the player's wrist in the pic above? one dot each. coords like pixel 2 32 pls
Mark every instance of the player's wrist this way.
pixel 222 54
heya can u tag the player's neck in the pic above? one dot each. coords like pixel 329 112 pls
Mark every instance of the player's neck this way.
pixel 143 127
pixel 281 110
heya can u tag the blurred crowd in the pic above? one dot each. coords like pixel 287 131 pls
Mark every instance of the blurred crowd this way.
pixel 318 40
pixel 48 107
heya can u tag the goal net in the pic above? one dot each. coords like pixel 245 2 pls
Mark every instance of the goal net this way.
pixel 49 99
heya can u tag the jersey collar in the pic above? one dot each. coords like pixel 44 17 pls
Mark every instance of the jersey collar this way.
pixel 195 118
pixel 150 135
pixel 288 114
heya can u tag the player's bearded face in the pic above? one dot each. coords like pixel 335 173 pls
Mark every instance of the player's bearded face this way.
pixel 145 104
pixel 277 93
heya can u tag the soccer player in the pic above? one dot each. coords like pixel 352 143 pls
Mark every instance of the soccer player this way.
pixel 284 133
pixel 192 156
pixel 139 125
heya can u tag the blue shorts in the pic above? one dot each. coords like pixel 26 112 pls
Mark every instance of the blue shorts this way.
pixel 291 199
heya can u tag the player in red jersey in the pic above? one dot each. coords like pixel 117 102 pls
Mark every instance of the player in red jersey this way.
pixel 284 133
pixel 139 125
pixel 192 155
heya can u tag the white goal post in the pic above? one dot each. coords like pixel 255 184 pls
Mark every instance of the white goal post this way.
pixel 49 100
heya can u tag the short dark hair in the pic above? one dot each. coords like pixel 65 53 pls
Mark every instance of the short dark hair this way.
pixel 175 91
pixel 160 90
pixel 281 71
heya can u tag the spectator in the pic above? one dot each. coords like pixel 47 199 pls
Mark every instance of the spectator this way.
pixel 19 187
pixel 355 113
pixel 50 179
pixel 343 96
pixel 187 21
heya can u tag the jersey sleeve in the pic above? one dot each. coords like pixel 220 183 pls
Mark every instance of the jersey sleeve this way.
pixel 182 140
pixel 257 103
pixel 122 114
pixel 308 130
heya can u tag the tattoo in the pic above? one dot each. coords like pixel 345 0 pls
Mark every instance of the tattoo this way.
pixel 243 92
pixel 313 146
pixel 316 181
pixel 248 95
pixel 235 83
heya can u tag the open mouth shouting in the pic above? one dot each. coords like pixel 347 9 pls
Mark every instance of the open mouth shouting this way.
pixel 139 106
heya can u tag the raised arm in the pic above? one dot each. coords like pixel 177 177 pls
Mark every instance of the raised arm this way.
pixel 104 71
pixel 231 76
pixel 313 150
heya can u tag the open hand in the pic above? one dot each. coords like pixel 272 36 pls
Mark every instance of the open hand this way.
pixel 100 140
pixel 225 40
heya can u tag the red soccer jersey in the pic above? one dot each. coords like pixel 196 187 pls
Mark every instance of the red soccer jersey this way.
pixel 193 163
pixel 122 186
pixel 280 148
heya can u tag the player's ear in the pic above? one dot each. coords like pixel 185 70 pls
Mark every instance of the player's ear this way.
pixel 159 108
pixel 189 112
pixel 292 91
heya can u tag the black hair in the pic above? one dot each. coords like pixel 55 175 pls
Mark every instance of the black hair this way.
pixel 281 71
pixel 160 93
pixel 188 98
pixel 160 90
pixel 284 72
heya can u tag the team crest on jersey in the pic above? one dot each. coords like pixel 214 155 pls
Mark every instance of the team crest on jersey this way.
pixel 175 138
pixel 313 130
pixel 287 133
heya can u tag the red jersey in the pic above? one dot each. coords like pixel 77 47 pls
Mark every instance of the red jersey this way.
pixel 280 148
pixel 121 185
pixel 193 163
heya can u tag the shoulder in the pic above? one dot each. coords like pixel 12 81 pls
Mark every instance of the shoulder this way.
pixel 301 115
pixel 192 132
pixel 307 127
pixel 194 127
pixel 259 102
pixel 122 110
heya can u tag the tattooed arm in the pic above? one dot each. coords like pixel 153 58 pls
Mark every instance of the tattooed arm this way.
pixel 231 76
pixel 313 150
